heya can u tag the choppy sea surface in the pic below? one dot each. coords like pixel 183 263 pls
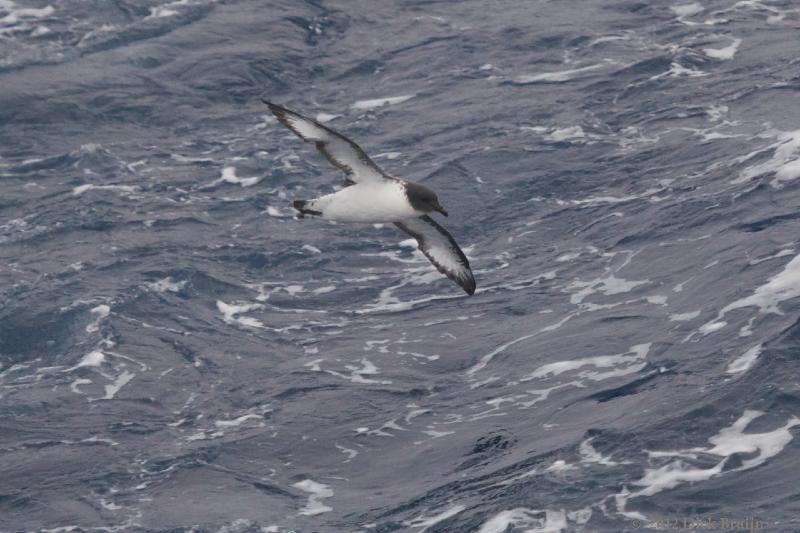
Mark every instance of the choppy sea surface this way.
pixel 178 352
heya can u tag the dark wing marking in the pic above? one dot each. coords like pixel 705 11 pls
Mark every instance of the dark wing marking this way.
pixel 441 249
pixel 338 149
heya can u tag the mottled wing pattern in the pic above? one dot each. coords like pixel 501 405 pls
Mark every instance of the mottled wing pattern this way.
pixel 441 249
pixel 338 149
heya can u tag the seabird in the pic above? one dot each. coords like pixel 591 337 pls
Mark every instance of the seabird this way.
pixel 372 195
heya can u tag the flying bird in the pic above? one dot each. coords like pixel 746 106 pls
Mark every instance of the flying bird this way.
pixel 371 195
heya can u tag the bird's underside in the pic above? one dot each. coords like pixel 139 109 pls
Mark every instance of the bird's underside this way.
pixel 371 195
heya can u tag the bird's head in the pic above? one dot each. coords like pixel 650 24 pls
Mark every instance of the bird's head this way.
pixel 423 199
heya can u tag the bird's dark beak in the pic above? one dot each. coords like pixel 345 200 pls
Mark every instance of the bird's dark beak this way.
pixel 440 209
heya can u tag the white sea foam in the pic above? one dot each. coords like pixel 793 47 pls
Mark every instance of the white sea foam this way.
pixel 383 430
pixel 93 358
pixel 241 525
pixel 185 159
pixel 484 360
pixel 733 440
pixel 572 133
pixel 676 70
pixel 784 164
pixel 317 493
pixel 560 466
pixel 77 383
pixel 110 506
pixel 325 117
pixel 388 302
pixel 723 53
pixel 166 285
pixel 324 290
pixel 40 30
pixel 168 9
pixel 240 420
pixel 657 299
pixel 568 257
pixel 595 200
pixel 275 212
pixel 756 447
pixel 380 344
pixel 77 191
pixel 121 380
pixel 480 365
pixel 205 435
pixel 434 434
pixel 229 176
pixel 21 18
pixel 609 286
pixel 788 171
pixel 102 312
pixel 779 288
pixel 619 365
pixel 744 362
pixel 777 15
pixel 160 12
pixel 101 440
pixel 679 287
pixel 418 355
pixel 782 253
pixel 683 317
pixel 357 373
pixel 535 129
pixel 717 112
pixel 539 395
pixel 231 314
pixel 556 77
pixel 711 327
pixel 590 455
pixel 366 105
pixel 349 452
pixel 265 293
pixel 687 10
pixel 527 520
pixel 425 522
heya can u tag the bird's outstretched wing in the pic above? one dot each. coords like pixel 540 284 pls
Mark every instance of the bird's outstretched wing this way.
pixel 338 149
pixel 441 249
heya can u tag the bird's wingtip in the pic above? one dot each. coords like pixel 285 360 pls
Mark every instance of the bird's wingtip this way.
pixel 275 108
pixel 469 287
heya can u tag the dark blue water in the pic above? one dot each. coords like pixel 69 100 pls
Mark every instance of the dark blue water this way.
pixel 179 353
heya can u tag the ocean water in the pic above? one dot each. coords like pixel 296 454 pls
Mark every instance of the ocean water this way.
pixel 178 352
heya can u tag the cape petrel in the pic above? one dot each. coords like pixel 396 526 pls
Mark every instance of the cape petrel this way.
pixel 372 195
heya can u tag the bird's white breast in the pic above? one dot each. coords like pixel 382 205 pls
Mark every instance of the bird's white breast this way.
pixel 369 202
